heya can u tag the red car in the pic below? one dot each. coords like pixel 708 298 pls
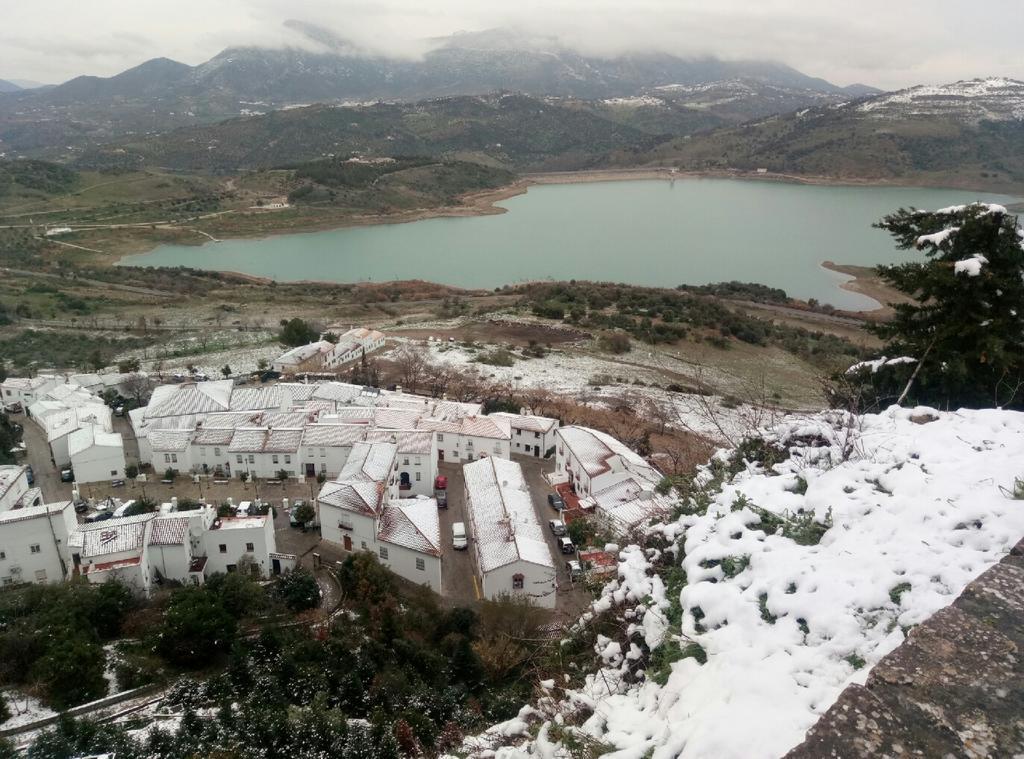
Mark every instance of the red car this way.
pixel 440 482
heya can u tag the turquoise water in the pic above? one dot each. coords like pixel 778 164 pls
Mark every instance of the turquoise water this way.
pixel 649 232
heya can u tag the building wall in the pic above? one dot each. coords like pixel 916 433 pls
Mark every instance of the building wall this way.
pixel 170 561
pixel 524 441
pixel 566 461
pixel 363 533
pixel 458 447
pixel 17 540
pixel 99 463
pixel 402 561
pixel 138 577
pixel 234 541
pixel 421 469
pixel 59 451
pixel 538 583
pixel 262 465
pixel 211 456
pixel 164 460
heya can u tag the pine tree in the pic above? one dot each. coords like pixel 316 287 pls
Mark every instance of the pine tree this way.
pixel 965 327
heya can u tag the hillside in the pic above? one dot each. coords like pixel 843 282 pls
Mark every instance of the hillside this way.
pixel 788 570
pixel 964 134
pixel 162 94
pixel 505 130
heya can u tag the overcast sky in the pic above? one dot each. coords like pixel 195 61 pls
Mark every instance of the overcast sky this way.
pixel 886 43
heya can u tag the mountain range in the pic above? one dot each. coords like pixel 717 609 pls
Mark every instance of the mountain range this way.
pixel 162 94
pixel 968 133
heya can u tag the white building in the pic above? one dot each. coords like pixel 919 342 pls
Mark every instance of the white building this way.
pixel 234 542
pixel 510 549
pixel 360 511
pixel 470 437
pixel 353 344
pixel 415 458
pixel 25 391
pixel 531 435
pixel 58 420
pixel 34 543
pixel 96 455
pixel 116 549
pixel 313 357
pixel 13 486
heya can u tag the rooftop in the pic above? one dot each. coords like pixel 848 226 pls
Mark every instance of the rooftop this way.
pixel 598 453
pixel 412 523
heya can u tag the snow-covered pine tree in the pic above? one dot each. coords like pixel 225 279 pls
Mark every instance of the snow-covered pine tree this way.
pixel 965 328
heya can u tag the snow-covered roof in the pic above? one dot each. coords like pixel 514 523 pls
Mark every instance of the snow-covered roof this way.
pixel 485 426
pixel 283 440
pixel 362 497
pixel 599 452
pixel 340 392
pixel 499 506
pixel 88 436
pixel 115 535
pixel 248 440
pixel 369 462
pixel 256 398
pixel 350 415
pixel 412 523
pixel 32 512
pixel 628 501
pixel 169 441
pixel 396 418
pixel 303 353
pixel 453 410
pixel 204 436
pixel 9 474
pixel 169 531
pixel 542 424
pixel 190 398
pixel 257 522
pixel 416 442
pixel 332 435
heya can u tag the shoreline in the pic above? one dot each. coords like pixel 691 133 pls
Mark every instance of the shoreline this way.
pixel 865 282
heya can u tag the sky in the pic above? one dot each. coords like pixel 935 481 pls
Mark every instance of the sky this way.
pixel 884 43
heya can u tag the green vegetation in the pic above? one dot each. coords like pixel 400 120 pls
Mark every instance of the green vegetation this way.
pixel 498 357
pixel 10 436
pixel 296 332
pixel 33 350
pixel 897 591
pixel 739 291
pixel 40 176
pixel 653 316
pixel 965 331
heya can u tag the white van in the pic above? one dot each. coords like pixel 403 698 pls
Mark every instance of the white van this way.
pixel 459 540
pixel 122 510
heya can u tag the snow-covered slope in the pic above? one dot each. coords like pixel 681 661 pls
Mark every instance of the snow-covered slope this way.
pixel 916 504
pixel 970 101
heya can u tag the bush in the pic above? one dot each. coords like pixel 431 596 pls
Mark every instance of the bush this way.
pixel 196 628
pixel 298 589
pixel 614 342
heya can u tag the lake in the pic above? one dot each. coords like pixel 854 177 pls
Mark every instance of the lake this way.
pixel 645 232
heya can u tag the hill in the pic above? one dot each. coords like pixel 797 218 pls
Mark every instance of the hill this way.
pixel 162 94
pixel 502 130
pixel 965 134
pixel 6 86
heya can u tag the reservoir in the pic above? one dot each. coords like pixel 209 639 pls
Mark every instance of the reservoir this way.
pixel 645 232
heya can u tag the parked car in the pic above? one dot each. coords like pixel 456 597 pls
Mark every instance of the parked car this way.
pixel 30 475
pixel 122 510
pixel 67 475
pixel 459 540
pixel 244 509
pixel 292 520
pixel 565 545
pixel 117 483
pixel 556 502
pixel 440 482
pixel 99 516
pixel 574 569
pixel 441 496
pixel 557 527
pixel 119 411
pixel 81 507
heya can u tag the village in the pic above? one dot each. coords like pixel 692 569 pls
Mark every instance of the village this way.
pixel 218 476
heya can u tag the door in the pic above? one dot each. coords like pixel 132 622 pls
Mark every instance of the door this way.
pixel 311 470
pixel 347 541
pixel 440 455
pixel 536 450
pixel 276 568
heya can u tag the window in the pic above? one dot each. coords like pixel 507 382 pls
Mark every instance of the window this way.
pixel 252 458
pixel 34 548
pixel 322 454
pixel 274 458
pixel 421 564
pixel 40 575
pixel 440 437
pixel 497 447
pixel 323 467
pixel 249 547
pixel 419 476
pixel 363 544
pixel 216 451
pixel 536 435
pixel 517 582
pixel 3 555
pixel 174 458
pixel 383 552
pixel 519 433
pixel 287 459
pixel 223 548
pixel 418 460
pixel 238 459
pixel 167 458
pixel 344 524
pixel 113 473
pixel 405 461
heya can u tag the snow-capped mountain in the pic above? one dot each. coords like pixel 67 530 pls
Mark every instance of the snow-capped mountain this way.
pixel 971 101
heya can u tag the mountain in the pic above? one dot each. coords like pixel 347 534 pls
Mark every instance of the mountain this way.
pixel 162 94
pixel 505 130
pixel 968 134
pixel 6 86
pixel 28 84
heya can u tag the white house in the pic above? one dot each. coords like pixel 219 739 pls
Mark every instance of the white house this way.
pixel 176 548
pixel 116 549
pixel 352 344
pixel 313 357
pixel 34 543
pixel 470 437
pixel 232 542
pixel 408 541
pixel 510 549
pixel 58 421
pixel 325 447
pixel 25 391
pixel 13 486
pixel 531 435
pixel 264 452
pixel 591 460
pixel 626 502
pixel 96 455
pixel 415 458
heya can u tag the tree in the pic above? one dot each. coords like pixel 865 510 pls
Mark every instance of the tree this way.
pixel 262 365
pixel 304 514
pixel 196 628
pixel 131 471
pixel 961 340
pixel 10 436
pixel 71 671
pixel 141 506
pixel 298 589
pixel 128 365
pixel 411 365
pixel 136 387
pixel 226 371
pixel 295 332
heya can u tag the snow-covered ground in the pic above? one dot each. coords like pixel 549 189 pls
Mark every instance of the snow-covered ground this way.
pixel 919 504
pixel 24 709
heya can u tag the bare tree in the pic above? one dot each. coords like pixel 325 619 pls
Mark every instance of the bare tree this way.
pixel 410 364
pixel 136 387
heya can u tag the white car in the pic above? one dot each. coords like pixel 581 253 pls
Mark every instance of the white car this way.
pixel 459 540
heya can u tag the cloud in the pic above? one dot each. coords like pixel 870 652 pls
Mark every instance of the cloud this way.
pixel 882 42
